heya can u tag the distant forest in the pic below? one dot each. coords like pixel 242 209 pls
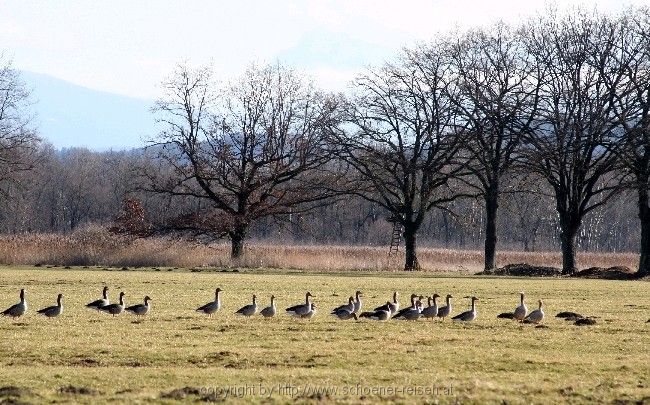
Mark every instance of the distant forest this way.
pixel 74 187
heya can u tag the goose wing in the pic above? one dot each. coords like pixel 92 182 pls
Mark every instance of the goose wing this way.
pixel 98 303
pixel 462 316
pixel 46 310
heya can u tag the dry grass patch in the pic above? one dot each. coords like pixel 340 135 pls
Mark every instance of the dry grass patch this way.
pixel 94 246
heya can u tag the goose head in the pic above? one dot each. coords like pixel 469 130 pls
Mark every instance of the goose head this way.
pixel 449 296
pixel 435 296
pixel 217 291
pixel 351 300
pixel 272 299
pixel 254 299
pixel 147 299
pixel 358 293
pixel 58 299
pixel 105 291
pixel 540 304
pixel 395 295
pixel 22 294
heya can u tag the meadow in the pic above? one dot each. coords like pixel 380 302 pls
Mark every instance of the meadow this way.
pixel 176 354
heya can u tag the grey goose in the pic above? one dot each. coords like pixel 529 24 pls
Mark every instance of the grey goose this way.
pixel 347 307
pixel 391 307
pixel 382 314
pixel 467 316
pixel 102 302
pixel 444 311
pixel 301 309
pixel 537 315
pixel 17 310
pixel 269 311
pixel 114 309
pixel 212 306
pixel 521 310
pixel 54 310
pixel 431 311
pixel 248 310
pixel 140 309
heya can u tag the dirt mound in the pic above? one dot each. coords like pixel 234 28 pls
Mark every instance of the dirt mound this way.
pixel 13 391
pixel 523 270
pixel 584 322
pixel 527 270
pixel 609 273
pixel 74 390
pixel 181 393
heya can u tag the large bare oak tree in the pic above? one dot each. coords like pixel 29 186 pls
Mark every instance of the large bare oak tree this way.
pixel 496 102
pixel 402 140
pixel 257 147
pixel 574 144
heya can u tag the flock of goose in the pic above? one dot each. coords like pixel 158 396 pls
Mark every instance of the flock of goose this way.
pixel 306 310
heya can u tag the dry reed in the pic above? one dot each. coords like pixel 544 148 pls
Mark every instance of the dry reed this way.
pixel 94 246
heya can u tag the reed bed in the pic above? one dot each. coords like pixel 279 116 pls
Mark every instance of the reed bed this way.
pixel 94 246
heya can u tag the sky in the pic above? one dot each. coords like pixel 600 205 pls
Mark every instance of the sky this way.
pixel 128 47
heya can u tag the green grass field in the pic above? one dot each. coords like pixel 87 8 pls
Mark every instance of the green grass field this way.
pixel 177 354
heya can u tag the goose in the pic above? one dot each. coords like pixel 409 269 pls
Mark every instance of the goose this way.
pixel 53 311
pixel 358 304
pixel 115 309
pixel 248 310
pixel 467 316
pixel 140 309
pixel 537 315
pixel 382 314
pixel 411 314
pixel 521 310
pixel 301 309
pixel 391 307
pixel 444 312
pixel 310 313
pixel 402 311
pixel 347 307
pixel 432 310
pixel 213 306
pixel 269 311
pixel 102 302
pixel 344 314
pixel 17 310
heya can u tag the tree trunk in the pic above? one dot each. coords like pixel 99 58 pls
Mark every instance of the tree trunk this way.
pixel 410 242
pixel 644 217
pixel 568 241
pixel 491 207
pixel 237 238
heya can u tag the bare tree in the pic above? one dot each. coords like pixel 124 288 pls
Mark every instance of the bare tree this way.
pixel 402 141
pixel 573 145
pixel 258 149
pixel 632 107
pixel 18 139
pixel 496 101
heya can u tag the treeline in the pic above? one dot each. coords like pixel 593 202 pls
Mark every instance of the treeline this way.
pixel 72 188
pixel 538 134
